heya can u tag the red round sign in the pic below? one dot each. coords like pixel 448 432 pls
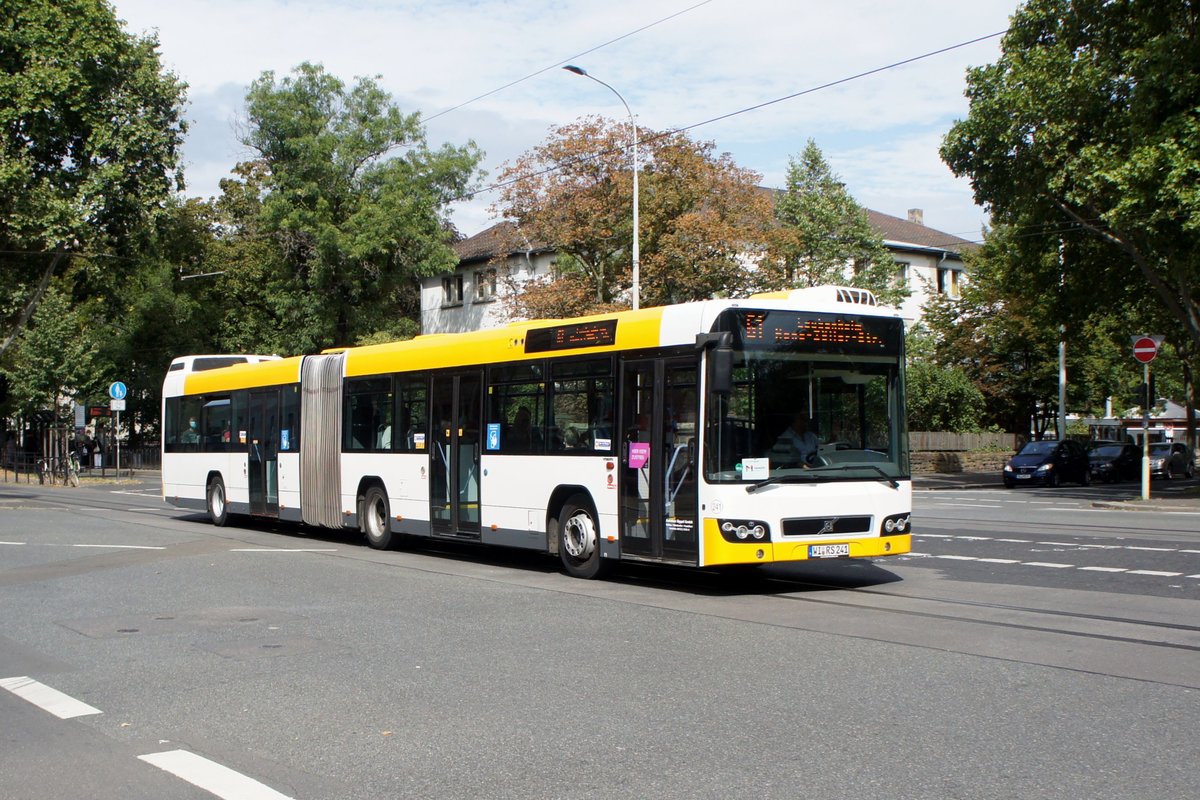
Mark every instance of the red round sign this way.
pixel 1145 349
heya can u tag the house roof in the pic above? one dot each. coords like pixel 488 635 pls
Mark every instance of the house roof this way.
pixel 905 232
pixel 898 232
pixel 488 243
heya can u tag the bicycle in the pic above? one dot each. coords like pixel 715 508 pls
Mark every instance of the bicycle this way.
pixel 71 470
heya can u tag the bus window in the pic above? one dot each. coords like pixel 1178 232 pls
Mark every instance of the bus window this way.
pixel 581 406
pixel 216 422
pixel 412 414
pixel 516 402
pixel 368 415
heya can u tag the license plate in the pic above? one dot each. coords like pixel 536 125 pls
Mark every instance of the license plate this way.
pixel 828 550
pixel 1024 477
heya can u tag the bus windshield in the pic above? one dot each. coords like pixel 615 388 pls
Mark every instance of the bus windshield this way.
pixel 804 408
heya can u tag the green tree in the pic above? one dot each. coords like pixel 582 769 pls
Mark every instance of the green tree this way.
pixel 1085 135
pixel 92 126
pixel 59 359
pixel 353 202
pixel 700 214
pixel 825 237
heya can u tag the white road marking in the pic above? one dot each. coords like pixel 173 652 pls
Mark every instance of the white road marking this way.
pixel 18 543
pixel 283 550
pixel 211 776
pixel 120 546
pixel 1153 549
pixel 1105 569
pixel 999 561
pixel 1154 572
pixel 50 700
pixel 1050 564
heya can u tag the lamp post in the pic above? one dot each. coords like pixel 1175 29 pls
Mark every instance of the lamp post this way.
pixel 633 125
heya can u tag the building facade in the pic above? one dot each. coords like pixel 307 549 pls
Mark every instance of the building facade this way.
pixel 471 297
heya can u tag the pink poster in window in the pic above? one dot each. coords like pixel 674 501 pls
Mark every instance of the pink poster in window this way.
pixel 639 454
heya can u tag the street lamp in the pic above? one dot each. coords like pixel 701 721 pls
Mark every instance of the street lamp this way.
pixel 633 125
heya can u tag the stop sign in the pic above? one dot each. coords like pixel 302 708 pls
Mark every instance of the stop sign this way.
pixel 1145 349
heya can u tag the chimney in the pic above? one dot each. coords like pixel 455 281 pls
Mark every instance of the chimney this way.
pixel 916 215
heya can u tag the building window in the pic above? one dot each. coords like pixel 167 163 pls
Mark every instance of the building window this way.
pixel 902 273
pixel 947 282
pixel 452 290
pixel 485 285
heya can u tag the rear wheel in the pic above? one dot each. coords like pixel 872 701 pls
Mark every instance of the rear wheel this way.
pixel 1052 479
pixel 579 540
pixel 218 508
pixel 376 518
pixel 1086 479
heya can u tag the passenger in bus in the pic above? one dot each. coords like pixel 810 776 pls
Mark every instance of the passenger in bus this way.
pixel 191 434
pixel 521 435
pixel 797 444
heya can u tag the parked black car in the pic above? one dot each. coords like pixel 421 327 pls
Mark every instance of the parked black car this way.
pixel 1115 461
pixel 1048 462
pixel 1168 459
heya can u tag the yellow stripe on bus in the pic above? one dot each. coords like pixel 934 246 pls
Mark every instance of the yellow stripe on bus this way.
pixel 243 376
pixel 635 330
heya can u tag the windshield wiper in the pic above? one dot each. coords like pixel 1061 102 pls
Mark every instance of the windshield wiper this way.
pixel 817 472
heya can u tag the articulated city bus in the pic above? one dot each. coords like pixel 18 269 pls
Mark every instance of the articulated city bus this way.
pixel 671 435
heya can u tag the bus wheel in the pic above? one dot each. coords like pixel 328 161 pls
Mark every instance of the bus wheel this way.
pixel 376 518
pixel 578 540
pixel 218 509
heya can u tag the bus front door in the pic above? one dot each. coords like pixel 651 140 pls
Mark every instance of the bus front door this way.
pixel 658 475
pixel 262 461
pixel 455 404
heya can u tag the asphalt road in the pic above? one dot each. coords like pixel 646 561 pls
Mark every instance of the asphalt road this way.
pixel 1033 646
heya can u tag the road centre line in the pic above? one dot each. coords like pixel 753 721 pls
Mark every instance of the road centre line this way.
pixel 211 776
pixel 919 536
pixel 46 698
pixel 99 546
pixel 1051 564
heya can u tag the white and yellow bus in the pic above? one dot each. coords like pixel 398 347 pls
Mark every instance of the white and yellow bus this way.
pixel 655 435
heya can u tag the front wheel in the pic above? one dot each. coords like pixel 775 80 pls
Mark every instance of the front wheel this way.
pixel 218 508
pixel 376 518
pixel 579 540
pixel 1086 479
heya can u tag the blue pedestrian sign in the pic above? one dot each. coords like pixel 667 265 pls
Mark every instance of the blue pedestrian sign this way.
pixel 117 390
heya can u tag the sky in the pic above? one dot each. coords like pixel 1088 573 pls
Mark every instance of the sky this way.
pixel 677 63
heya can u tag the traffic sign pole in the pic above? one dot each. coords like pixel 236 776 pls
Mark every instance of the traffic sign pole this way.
pixel 1146 431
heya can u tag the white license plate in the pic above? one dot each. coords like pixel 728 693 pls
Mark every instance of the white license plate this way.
pixel 1024 477
pixel 828 550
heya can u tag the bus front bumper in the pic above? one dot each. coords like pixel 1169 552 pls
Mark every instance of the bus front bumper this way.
pixel 719 551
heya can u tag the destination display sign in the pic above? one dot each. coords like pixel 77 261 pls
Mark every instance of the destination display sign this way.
pixel 814 332
pixel 574 336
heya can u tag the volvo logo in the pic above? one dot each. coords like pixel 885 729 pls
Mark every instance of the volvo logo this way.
pixel 828 526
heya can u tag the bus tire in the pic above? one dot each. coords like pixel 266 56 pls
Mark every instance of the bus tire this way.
pixel 218 505
pixel 579 539
pixel 377 518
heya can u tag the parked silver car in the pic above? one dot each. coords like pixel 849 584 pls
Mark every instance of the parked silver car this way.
pixel 1168 459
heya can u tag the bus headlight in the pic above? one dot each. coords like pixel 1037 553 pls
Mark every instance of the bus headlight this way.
pixel 895 525
pixel 744 530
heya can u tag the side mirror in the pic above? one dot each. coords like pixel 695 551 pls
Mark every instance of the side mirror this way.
pixel 719 361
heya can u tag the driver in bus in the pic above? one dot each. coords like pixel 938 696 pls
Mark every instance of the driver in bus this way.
pixel 797 443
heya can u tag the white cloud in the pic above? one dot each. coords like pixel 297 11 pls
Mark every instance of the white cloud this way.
pixel 881 132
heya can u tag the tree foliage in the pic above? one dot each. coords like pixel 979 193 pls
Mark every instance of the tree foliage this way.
pixel 700 214
pixel 824 236
pixel 92 126
pixel 1087 130
pixel 343 207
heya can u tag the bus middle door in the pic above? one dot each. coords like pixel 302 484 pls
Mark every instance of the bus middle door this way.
pixel 456 407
